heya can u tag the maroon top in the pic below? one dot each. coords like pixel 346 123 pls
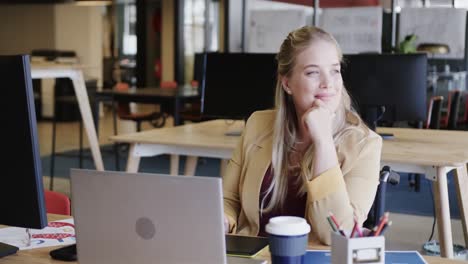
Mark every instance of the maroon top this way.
pixel 294 205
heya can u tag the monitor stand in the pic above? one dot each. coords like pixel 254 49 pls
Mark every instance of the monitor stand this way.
pixel 6 249
pixel 66 253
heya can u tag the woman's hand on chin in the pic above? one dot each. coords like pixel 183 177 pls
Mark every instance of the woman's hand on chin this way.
pixel 318 121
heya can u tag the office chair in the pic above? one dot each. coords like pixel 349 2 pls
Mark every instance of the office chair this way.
pixel 168 85
pixel 434 112
pixel 378 207
pixel 157 119
pixel 463 121
pixel 192 111
pixel 57 203
pixel 450 122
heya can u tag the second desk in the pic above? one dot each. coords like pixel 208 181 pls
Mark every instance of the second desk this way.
pixel 430 152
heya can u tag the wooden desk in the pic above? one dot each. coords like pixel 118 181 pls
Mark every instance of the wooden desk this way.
pixel 39 71
pixel 432 152
pixel 41 255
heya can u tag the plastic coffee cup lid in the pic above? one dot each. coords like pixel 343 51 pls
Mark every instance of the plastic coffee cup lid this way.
pixel 287 226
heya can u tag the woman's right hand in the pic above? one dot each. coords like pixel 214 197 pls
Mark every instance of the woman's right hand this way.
pixel 318 121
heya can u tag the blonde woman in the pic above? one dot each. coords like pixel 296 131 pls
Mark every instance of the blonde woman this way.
pixel 309 156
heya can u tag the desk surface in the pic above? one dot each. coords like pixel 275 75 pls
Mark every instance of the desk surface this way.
pixel 426 146
pixel 205 134
pixel 417 146
pixel 41 255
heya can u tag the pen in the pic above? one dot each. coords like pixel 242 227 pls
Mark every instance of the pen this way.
pixel 385 227
pixel 331 224
pixel 342 232
pixel 381 224
pixel 337 225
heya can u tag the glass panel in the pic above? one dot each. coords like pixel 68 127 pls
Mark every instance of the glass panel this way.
pixel 461 4
pixel 129 45
pixel 194 31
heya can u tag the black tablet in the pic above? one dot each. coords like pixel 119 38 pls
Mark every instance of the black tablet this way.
pixel 244 246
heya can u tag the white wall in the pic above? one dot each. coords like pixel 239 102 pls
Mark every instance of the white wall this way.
pixel 26 27
pixel 80 28
pixel 65 27
pixel 235 26
pixel 167 37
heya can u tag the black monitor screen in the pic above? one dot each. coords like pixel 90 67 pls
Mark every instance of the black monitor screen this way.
pixel 21 189
pixel 237 84
pixel 396 81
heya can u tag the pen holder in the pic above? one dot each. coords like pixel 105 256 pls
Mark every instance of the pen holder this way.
pixel 369 250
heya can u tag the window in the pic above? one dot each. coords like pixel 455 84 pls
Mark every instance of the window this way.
pixel 129 44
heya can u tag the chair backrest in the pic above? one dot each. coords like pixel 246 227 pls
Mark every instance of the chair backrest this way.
pixel 465 114
pixel 453 108
pixel 57 203
pixel 378 207
pixel 434 112
pixel 123 109
pixel 168 85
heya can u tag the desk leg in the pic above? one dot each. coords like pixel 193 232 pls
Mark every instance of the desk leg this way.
pixel 190 165
pixel 133 161
pixel 461 183
pixel 83 103
pixel 442 206
pixel 174 170
pixel 177 111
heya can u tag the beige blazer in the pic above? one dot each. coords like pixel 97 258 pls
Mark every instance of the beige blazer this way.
pixel 347 190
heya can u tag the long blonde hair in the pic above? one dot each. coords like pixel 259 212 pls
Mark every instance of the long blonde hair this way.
pixel 286 126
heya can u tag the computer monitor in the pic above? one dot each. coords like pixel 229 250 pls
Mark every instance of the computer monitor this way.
pixel 387 87
pixel 21 189
pixel 237 84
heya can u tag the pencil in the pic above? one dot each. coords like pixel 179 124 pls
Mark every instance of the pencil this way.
pixel 354 229
pixel 359 232
pixel 334 220
pixel 372 232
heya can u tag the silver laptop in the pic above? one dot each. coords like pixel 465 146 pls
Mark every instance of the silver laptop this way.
pixel 148 218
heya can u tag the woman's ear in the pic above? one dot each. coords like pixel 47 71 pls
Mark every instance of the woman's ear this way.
pixel 285 85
